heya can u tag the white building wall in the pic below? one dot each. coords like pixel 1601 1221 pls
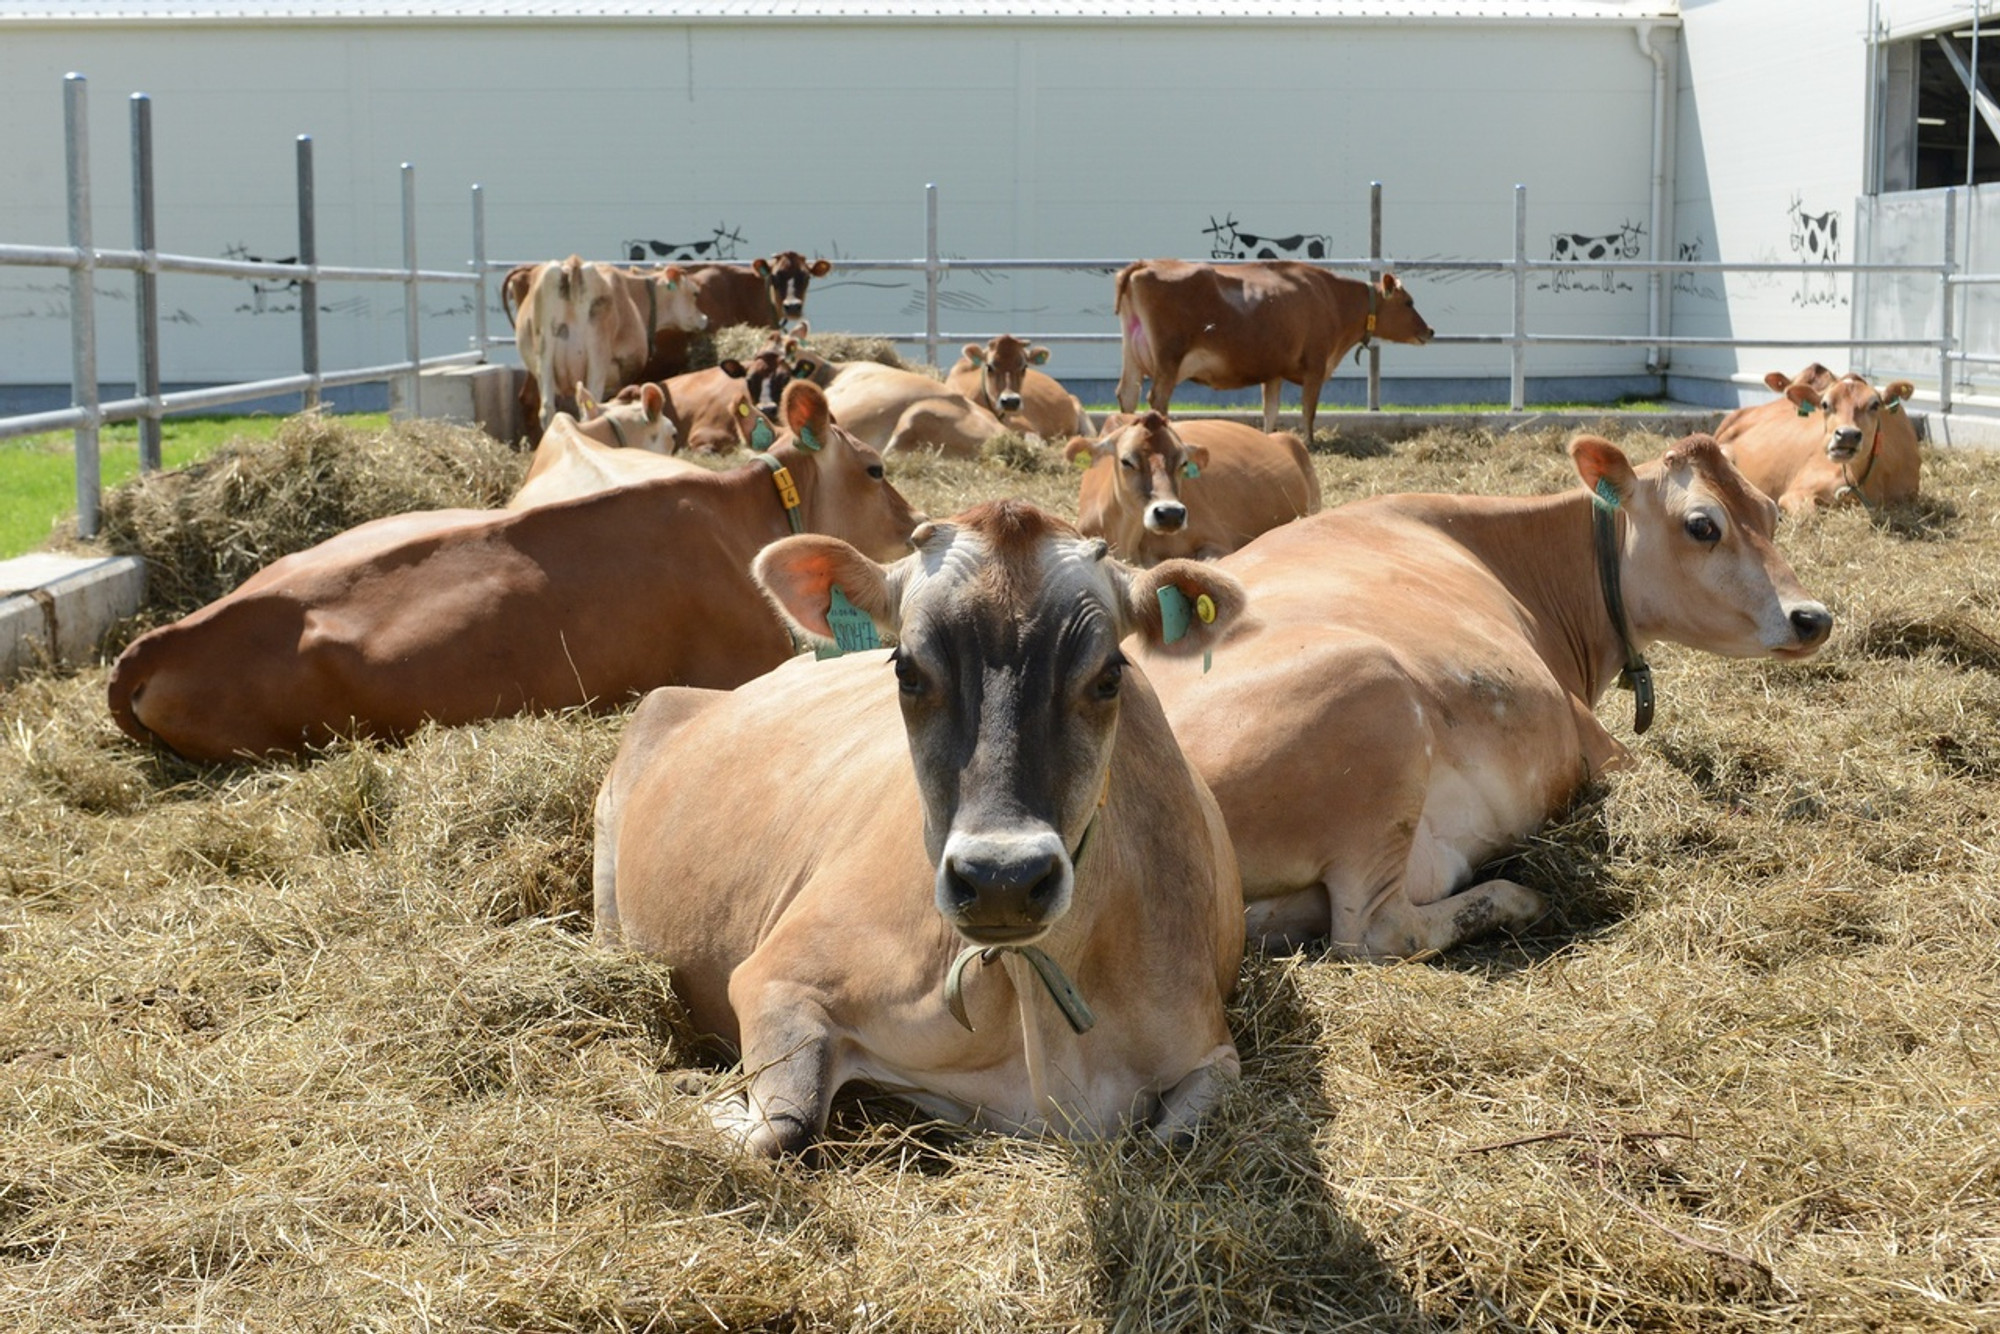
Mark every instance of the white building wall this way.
pixel 1045 140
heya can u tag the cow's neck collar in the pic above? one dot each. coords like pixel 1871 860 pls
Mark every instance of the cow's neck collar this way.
pixel 1850 483
pixel 617 431
pixel 1368 329
pixel 788 491
pixel 1637 676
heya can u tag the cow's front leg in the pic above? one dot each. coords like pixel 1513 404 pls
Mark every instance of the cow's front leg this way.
pixel 1390 926
pixel 1309 388
pixel 1183 1107
pixel 1274 390
pixel 788 1068
pixel 1129 372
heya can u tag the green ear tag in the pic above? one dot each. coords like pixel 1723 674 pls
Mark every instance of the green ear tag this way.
pixel 1605 494
pixel 1894 405
pixel 1174 611
pixel 808 441
pixel 1805 409
pixel 853 629
pixel 762 437
pixel 1189 470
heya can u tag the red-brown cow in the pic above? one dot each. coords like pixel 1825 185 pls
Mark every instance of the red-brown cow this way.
pixel 458 615
pixel 1230 326
pixel 1827 441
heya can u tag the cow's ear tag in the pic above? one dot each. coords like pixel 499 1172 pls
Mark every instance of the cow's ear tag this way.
pixel 1084 458
pixel 1807 409
pixel 1189 470
pixel 809 442
pixel 1174 612
pixel 1606 494
pixel 1894 404
pixel 762 437
pixel 853 629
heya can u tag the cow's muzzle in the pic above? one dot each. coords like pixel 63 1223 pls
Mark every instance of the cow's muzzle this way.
pixel 794 307
pixel 1166 516
pixel 1010 402
pixel 1844 444
pixel 1004 889
pixel 1812 623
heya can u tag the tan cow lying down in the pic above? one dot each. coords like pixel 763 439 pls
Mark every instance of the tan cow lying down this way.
pixel 630 441
pixel 1001 378
pixel 1012 785
pixel 899 411
pixel 717 410
pixel 1412 693
pixel 1827 441
pixel 1230 326
pixel 457 615
pixel 577 322
pixel 1196 487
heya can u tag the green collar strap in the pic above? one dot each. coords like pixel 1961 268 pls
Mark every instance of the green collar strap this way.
pixel 788 491
pixel 1637 676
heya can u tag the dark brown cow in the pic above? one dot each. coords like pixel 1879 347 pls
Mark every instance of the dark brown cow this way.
pixel 764 294
pixel 457 615
pixel 734 403
pixel 1230 326
pixel 1001 377
pixel 924 843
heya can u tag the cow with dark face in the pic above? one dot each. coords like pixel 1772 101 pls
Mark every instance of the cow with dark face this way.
pixel 982 876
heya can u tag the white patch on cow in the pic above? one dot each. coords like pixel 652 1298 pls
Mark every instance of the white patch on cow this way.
pixel 1201 364
pixel 1468 813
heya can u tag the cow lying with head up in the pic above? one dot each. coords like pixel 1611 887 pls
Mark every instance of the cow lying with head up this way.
pixel 982 875
pixel 1826 440
pixel 1201 488
pixel 458 615
pixel 1413 693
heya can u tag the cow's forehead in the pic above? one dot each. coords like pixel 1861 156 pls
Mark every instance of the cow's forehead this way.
pixel 1007 574
pixel 1007 350
pixel 1698 466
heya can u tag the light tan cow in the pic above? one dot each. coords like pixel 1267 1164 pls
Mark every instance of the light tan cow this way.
pixel 1001 377
pixel 1230 326
pixel 1010 787
pixel 1197 487
pixel 594 324
pixel 1412 693
pixel 1827 441
pixel 457 615
pixel 628 441
pixel 899 411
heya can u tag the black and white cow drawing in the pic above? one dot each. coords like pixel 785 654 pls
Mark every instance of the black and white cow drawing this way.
pixel 720 247
pixel 1692 284
pixel 1575 248
pixel 1232 242
pixel 1816 240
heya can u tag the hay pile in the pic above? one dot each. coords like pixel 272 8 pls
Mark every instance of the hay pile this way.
pixel 743 342
pixel 325 1044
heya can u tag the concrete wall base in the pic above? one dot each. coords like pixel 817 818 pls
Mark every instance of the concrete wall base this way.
pixel 56 609
pixel 485 396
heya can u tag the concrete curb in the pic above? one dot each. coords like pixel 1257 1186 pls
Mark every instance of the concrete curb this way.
pixel 57 608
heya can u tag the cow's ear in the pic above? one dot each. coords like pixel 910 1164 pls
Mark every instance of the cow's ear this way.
pixel 805 413
pixel 673 274
pixel 1389 283
pixel 1777 382
pixel 733 368
pixel 653 400
pixel 974 353
pixel 805 368
pixel 586 402
pixel 1804 397
pixel 1038 356
pixel 761 266
pixel 1194 460
pixel 1896 394
pixel 1181 606
pixel 819 268
pixel 799 574
pixel 1083 451
pixel 1604 468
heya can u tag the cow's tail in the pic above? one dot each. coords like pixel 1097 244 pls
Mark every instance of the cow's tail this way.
pixel 128 684
pixel 514 290
pixel 1121 286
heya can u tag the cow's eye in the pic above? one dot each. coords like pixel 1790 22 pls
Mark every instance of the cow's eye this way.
pixel 1703 529
pixel 1129 463
pixel 909 680
pixel 875 471
pixel 1109 680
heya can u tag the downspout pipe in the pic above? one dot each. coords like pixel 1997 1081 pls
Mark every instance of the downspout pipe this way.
pixel 1661 185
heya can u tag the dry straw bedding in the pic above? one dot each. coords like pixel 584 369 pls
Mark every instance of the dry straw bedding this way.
pixel 325 1045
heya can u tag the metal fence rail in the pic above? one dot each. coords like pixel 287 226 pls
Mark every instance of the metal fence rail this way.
pixel 83 259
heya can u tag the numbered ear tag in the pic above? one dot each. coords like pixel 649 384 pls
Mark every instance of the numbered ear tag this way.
pixel 853 629
pixel 1189 470
pixel 762 437
pixel 1805 409
pixel 1606 494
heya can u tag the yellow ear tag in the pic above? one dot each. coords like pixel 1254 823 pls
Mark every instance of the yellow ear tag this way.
pixel 1084 460
pixel 1204 609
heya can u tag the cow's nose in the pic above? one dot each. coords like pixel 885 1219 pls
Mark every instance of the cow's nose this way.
pixel 795 306
pixel 1812 624
pixel 1166 517
pixel 1010 402
pixel 1846 440
pixel 993 895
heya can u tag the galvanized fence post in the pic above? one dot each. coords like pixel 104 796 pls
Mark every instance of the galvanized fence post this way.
pixel 479 340
pixel 930 275
pixel 146 297
pixel 1950 298
pixel 1374 277
pixel 1517 389
pixel 412 337
pixel 309 285
pixel 82 303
